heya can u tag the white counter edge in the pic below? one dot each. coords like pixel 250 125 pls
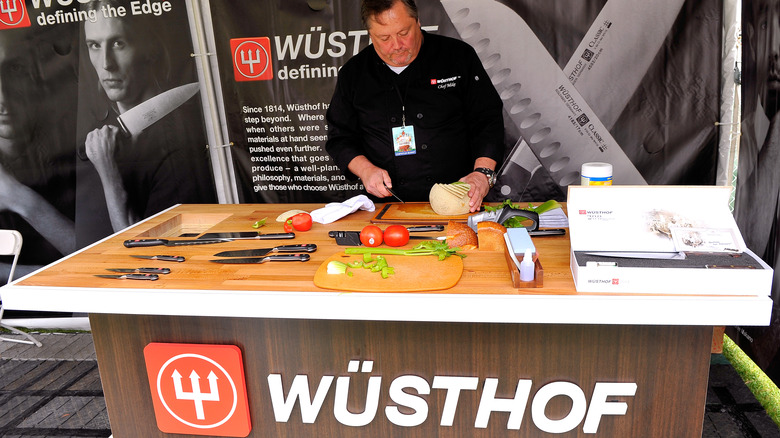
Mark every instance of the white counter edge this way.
pixel 544 309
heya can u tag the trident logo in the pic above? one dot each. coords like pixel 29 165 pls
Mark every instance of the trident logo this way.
pixel 251 61
pixel 5 8
pixel 196 395
pixel 251 58
pixel 17 14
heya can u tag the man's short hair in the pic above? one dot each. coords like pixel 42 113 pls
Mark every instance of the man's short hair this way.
pixel 371 8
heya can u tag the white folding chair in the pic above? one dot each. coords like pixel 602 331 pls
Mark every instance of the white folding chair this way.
pixel 11 245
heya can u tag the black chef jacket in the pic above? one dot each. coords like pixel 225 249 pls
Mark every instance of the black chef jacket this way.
pixel 448 98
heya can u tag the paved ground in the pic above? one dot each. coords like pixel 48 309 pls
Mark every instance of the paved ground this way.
pixel 54 391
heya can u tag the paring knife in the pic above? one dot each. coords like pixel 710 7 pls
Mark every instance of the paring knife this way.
pixel 141 270
pixel 307 247
pixel 270 258
pixel 640 255
pixel 163 258
pixel 130 276
pixel 134 243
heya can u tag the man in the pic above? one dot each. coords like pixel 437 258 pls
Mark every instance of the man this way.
pixel 36 166
pixel 414 109
pixel 141 175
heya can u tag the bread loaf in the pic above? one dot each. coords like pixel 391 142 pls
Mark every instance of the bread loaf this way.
pixel 461 236
pixel 490 236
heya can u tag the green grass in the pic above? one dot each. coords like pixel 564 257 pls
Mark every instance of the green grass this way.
pixel 760 385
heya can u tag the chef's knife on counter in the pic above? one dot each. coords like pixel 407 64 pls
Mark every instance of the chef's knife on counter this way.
pixel 650 255
pixel 135 243
pixel 133 121
pixel 162 258
pixel 246 235
pixel 141 270
pixel 270 258
pixel 304 247
pixel 130 276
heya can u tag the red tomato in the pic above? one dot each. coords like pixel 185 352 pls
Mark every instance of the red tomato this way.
pixel 301 221
pixel 396 235
pixel 371 235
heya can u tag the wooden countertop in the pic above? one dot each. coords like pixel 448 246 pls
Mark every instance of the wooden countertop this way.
pixel 286 289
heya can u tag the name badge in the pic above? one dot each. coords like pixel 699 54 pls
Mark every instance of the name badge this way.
pixel 403 141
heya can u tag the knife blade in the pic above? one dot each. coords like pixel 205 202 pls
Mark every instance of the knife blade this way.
pixel 640 255
pixel 130 276
pixel 419 228
pixel 133 121
pixel 307 247
pixel 141 270
pixel 270 258
pixel 546 98
pixel 246 235
pixel 162 258
pixel 134 243
pixel 393 193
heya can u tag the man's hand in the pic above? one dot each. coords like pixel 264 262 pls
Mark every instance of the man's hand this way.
pixel 478 182
pixel 101 146
pixel 375 179
pixel 479 189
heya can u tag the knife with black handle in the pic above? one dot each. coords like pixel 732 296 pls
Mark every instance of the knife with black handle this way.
pixel 270 258
pixel 134 243
pixel 304 247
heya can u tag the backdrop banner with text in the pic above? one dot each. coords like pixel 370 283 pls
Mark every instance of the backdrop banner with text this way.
pixel 631 82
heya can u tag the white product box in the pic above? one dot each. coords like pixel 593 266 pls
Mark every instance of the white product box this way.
pixel 694 220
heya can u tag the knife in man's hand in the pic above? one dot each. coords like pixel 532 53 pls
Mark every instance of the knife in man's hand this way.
pixel 133 121
pixel 146 113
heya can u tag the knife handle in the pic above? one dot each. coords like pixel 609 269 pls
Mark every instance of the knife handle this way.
pixel 305 247
pixel 133 243
pixel 141 276
pixel 154 270
pixel 276 236
pixel 168 258
pixel 289 258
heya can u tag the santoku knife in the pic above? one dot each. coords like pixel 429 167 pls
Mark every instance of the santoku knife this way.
pixel 270 258
pixel 308 247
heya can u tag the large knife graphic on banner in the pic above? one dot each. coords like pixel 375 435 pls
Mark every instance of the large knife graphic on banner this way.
pixel 613 58
pixel 133 121
pixel 560 127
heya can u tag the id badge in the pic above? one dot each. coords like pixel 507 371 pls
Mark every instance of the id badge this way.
pixel 403 141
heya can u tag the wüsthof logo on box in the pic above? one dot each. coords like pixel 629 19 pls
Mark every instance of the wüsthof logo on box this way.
pixel 198 389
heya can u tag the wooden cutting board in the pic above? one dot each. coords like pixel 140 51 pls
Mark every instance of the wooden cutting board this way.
pixel 411 213
pixel 412 274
